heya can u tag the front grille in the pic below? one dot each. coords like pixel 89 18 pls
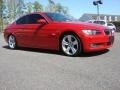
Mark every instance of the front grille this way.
pixel 108 31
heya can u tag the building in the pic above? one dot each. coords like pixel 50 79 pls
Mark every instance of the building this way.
pixel 106 17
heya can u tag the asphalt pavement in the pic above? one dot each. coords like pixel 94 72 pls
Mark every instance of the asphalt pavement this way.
pixel 35 69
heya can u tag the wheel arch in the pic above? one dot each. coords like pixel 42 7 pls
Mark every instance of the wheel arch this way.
pixel 9 35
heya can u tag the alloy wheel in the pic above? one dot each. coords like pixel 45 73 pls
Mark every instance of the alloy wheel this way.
pixel 11 42
pixel 70 45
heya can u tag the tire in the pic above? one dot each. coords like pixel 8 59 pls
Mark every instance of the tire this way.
pixel 12 44
pixel 71 45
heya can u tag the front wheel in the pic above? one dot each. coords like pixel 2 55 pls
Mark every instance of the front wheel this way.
pixel 71 45
pixel 12 42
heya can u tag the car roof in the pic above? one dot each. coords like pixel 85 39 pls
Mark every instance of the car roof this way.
pixel 40 13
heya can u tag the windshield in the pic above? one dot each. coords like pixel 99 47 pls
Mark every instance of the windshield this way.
pixel 110 24
pixel 58 17
pixel 99 22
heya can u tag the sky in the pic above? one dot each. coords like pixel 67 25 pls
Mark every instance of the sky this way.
pixel 78 7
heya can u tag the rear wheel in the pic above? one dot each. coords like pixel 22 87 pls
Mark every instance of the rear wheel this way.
pixel 12 42
pixel 71 45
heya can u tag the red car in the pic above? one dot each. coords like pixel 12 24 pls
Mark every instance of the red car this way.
pixel 55 31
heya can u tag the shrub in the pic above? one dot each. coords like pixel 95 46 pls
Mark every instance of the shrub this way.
pixel 117 24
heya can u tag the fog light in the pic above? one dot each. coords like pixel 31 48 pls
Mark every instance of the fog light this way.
pixel 95 45
pixel 92 45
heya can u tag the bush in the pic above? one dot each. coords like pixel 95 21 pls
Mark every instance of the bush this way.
pixel 117 24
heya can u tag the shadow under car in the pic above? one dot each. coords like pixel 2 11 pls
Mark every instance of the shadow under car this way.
pixel 36 50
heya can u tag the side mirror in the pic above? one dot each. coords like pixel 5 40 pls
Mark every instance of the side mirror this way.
pixel 42 21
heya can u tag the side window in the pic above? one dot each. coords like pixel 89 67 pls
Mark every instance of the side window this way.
pixel 29 19
pixel 33 18
pixel 22 20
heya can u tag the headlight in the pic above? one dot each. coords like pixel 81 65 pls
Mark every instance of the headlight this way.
pixel 91 32
pixel 113 31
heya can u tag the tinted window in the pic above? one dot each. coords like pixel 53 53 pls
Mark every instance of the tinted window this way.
pixel 22 20
pixel 32 19
pixel 109 24
pixel 29 19
pixel 99 22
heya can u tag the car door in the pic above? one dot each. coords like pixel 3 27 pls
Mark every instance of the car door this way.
pixel 26 28
pixel 47 36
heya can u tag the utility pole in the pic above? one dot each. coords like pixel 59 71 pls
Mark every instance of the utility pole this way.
pixel 98 12
pixel 96 3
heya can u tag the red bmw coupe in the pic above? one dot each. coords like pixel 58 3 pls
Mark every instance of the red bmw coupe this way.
pixel 55 31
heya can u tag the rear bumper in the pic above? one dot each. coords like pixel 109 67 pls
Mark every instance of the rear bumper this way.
pixel 97 43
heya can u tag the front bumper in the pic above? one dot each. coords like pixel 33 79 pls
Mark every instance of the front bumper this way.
pixel 97 43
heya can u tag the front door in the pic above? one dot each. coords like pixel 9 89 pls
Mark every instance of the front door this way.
pixel 26 29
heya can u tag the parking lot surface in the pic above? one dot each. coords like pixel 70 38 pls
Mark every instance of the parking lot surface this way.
pixel 35 69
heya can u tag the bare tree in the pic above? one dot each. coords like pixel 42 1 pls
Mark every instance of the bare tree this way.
pixel 56 7
pixel 37 6
pixel 1 14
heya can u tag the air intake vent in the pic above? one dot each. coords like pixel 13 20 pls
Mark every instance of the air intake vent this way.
pixel 108 31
